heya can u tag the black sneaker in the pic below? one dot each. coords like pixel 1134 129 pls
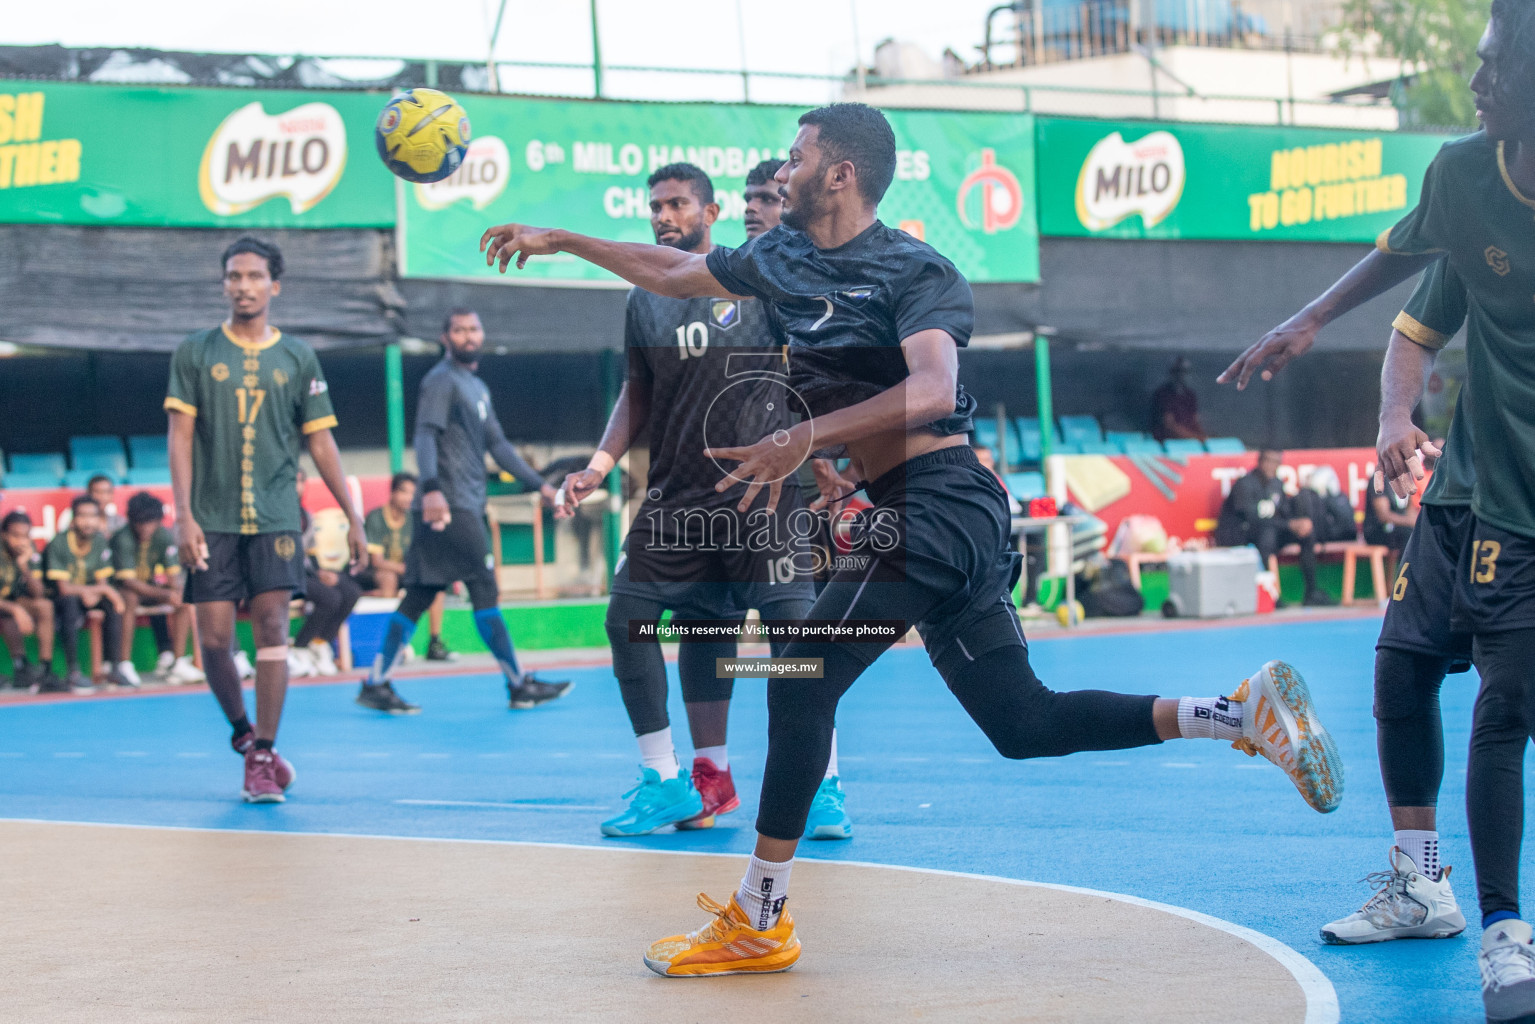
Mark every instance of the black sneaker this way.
pixel 78 682
pixel 1320 598
pixel 47 682
pixel 28 676
pixel 8 683
pixel 438 651
pixel 534 691
pixel 381 697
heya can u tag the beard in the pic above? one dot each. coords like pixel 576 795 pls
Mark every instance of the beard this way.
pixel 465 355
pixel 687 241
pixel 807 202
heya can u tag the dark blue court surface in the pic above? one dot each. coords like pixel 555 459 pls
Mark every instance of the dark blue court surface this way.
pixel 1191 823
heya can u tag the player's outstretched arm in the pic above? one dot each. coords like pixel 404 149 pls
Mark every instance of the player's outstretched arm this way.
pixel 1400 445
pixel 655 268
pixel 1374 275
pixel 327 459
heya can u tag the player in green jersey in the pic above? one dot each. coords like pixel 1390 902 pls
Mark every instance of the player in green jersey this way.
pixel 242 398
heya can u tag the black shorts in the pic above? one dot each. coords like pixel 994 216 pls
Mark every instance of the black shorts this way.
pixel 1495 581
pixel 240 566
pixel 459 551
pixel 719 562
pixel 1418 614
pixel 941 526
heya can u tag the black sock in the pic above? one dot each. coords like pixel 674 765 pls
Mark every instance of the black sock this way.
pixel 241 727
pixel 263 744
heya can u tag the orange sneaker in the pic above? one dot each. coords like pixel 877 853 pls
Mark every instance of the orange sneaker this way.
pixel 718 790
pixel 726 945
pixel 1280 722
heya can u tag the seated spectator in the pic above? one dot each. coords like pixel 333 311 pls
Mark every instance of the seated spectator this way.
pixel 78 565
pixel 1388 520
pixel 388 530
pixel 331 595
pixel 24 607
pixel 1323 502
pixel 148 575
pixel 1258 512
pixel 1175 406
pixel 102 490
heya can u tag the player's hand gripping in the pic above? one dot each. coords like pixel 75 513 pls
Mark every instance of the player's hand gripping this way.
pixel 434 511
pixel 1400 451
pixel 191 545
pixel 505 241
pixel 1273 351
pixel 764 464
pixel 834 487
pixel 576 489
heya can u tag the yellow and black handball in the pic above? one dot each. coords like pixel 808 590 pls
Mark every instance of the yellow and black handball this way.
pixel 422 135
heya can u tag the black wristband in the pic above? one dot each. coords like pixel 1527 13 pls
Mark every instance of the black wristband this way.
pixel 430 484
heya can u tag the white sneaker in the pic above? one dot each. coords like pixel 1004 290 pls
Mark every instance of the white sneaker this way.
pixel 324 659
pixel 243 664
pixel 1407 905
pixel 1508 970
pixel 1279 722
pixel 183 671
pixel 129 673
pixel 300 664
pixel 163 665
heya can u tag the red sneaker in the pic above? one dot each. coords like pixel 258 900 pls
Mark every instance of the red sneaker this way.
pixel 282 771
pixel 718 790
pixel 261 778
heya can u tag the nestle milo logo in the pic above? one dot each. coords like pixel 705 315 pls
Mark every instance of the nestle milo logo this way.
pixel 254 156
pixel 1120 179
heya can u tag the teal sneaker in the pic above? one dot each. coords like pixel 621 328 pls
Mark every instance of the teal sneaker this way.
pixel 828 815
pixel 656 804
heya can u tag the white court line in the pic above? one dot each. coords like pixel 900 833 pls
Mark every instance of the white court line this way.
pixel 1180 764
pixel 133 753
pixel 435 757
pixel 1321 998
pixel 511 804
pixel 13 753
pixel 69 753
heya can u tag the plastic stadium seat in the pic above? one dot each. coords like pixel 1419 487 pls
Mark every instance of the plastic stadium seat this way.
pixel 1116 438
pixel 148 476
pixel 986 432
pixel 39 464
pixel 99 444
pixel 31 481
pixel 1225 446
pixel 1141 446
pixel 81 477
pixel 147 451
pixel 1089 446
pixel 112 464
pixel 1184 446
pixel 1025 486
pixel 1081 428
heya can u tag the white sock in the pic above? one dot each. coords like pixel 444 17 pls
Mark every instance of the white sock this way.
pixel 1209 718
pixel 1422 847
pixel 763 890
pixel 831 766
pixel 717 754
pixel 656 753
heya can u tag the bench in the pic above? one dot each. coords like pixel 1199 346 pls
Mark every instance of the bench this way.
pixel 1352 551
pixel 93 619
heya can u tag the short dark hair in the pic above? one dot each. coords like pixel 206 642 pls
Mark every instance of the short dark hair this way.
pixel 398 479
pixel 447 318
pixel 13 517
pixel 690 174
pixel 266 250
pixel 763 172
pixel 80 500
pixel 144 507
pixel 99 477
pixel 1514 75
pixel 858 133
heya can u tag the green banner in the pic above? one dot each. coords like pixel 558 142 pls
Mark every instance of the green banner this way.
pixel 964 182
pixel 97 154
pixel 1163 180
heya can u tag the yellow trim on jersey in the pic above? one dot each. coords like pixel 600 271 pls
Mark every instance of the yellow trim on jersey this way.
pixel 1507 180
pixel 260 346
pixel 1383 240
pixel 177 405
pixel 1410 328
pixel 58 574
pixel 323 423
pixel 375 549
pixel 104 573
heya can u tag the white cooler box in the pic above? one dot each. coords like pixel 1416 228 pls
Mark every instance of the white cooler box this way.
pixel 1212 584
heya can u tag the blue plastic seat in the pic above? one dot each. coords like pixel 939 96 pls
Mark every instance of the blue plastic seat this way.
pixel 1184 446
pixel 96 444
pixel 1081 429
pixel 147 451
pixel 1117 438
pixel 148 476
pixel 31 481
pixel 82 477
pixel 986 432
pixel 1141 446
pixel 1098 446
pixel 1225 446
pixel 39 464
pixel 1025 486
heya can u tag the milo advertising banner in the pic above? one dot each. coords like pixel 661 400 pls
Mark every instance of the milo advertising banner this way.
pixel 93 154
pixel 1189 180
pixel 964 182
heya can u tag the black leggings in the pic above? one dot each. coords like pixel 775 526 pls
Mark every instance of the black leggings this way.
pixel 641 670
pixel 990 676
pixel 1500 729
pixel 70 613
pixel 1408 733
pixel 332 604
pixel 419 597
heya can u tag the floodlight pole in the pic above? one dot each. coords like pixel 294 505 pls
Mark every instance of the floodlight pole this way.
pixel 394 398
pixel 596 54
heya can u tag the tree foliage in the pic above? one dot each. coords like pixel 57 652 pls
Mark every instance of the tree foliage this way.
pixel 1435 40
